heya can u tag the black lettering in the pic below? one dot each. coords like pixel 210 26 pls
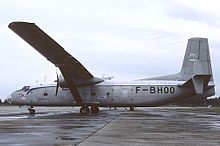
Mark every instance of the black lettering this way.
pixel 172 89
pixel 137 89
pixel 152 90
pixel 159 89
pixel 166 90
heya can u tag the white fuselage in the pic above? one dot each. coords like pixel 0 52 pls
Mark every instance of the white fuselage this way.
pixel 135 93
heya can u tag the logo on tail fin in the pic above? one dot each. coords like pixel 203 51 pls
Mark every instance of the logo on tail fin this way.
pixel 192 57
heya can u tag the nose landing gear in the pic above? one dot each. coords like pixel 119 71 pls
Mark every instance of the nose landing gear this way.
pixel 31 110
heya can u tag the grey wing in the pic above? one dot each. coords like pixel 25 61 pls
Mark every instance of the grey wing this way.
pixel 73 71
pixel 49 48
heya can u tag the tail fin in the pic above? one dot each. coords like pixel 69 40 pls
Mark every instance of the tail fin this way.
pixel 197 59
pixel 196 62
pixel 196 71
pixel 196 68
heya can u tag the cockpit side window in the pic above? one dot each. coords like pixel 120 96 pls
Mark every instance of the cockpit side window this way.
pixel 45 94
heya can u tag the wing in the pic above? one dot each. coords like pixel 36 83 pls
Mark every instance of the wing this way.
pixel 74 73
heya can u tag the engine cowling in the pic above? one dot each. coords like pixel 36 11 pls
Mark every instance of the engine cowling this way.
pixel 62 83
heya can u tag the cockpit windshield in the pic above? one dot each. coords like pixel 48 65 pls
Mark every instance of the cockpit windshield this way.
pixel 25 88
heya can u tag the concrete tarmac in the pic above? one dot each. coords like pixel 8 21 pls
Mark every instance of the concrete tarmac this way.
pixel 144 126
pixel 161 126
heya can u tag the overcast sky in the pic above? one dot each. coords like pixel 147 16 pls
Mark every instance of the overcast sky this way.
pixel 127 39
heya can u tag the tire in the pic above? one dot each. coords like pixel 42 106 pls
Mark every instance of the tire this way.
pixel 32 111
pixel 84 110
pixel 94 109
pixel 131 108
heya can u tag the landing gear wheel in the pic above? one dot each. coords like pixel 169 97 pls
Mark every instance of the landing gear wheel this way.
pixel 84 110
pixel 131 108
pixel 31 110
pixel 94 109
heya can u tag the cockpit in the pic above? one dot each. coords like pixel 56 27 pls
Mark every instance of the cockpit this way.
pixel 20 95
pixel 25 88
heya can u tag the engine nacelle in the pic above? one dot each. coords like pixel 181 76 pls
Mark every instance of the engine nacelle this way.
pixel 62 83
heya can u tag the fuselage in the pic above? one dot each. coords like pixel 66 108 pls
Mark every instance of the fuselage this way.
pixel 107 93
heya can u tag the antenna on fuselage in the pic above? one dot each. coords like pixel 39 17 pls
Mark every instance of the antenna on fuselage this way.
pixel 107 78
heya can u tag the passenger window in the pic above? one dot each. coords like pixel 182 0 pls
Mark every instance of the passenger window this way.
pixel 45 94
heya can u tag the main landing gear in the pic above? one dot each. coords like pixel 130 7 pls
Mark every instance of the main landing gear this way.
pixel 85 109
pixel 31 110
pixel 131 108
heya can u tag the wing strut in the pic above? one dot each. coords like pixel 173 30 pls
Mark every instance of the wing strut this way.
pixel 71 84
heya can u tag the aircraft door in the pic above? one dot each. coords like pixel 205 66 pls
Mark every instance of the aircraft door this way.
pixel 125 95
pixel 115 95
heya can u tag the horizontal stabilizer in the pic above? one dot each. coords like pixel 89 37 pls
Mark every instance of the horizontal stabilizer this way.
pixel 198 82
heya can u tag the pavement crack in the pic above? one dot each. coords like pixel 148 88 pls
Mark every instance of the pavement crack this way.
pixel 101 127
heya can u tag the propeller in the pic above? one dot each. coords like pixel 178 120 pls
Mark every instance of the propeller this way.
pixel 58 82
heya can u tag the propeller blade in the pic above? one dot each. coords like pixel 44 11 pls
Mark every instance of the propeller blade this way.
pixel 57 87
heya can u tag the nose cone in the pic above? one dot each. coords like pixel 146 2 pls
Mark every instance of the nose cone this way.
pixel 11 98
pixel 19 98
pixel 14 98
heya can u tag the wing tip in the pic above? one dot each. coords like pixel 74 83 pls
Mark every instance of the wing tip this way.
pixel 15 23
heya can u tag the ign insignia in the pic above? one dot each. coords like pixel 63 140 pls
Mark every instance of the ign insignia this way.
pixel 192 57
pixel 23 96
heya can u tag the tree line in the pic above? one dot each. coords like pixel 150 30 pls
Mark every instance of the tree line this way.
pixel 5 102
